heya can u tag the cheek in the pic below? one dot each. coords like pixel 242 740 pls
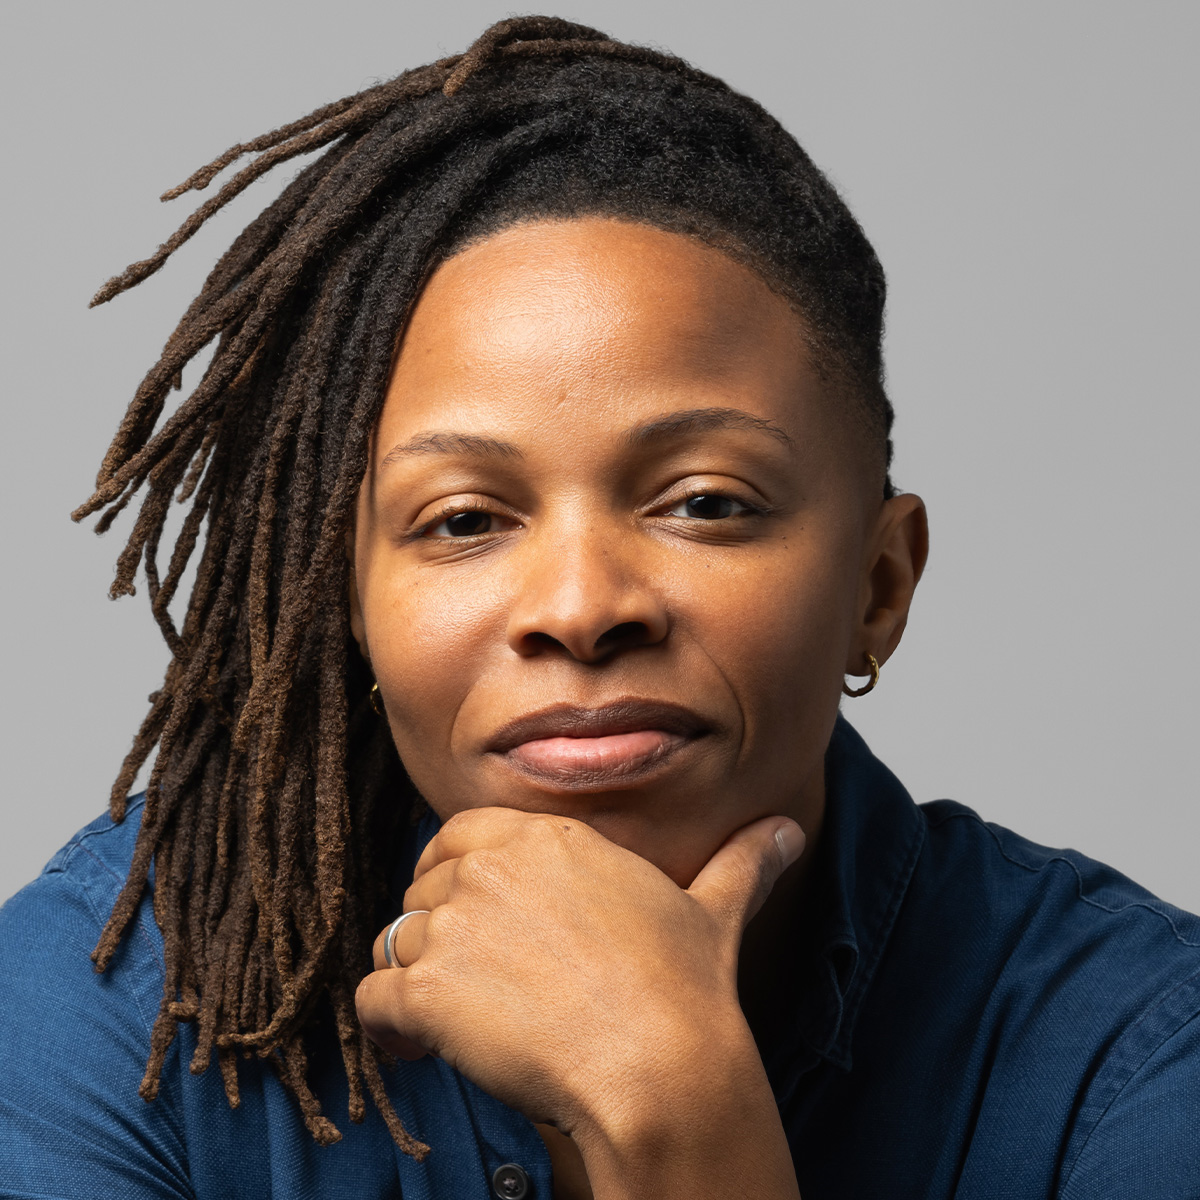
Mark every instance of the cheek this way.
pixel 777 621
pixel 428 632
pixel 777 626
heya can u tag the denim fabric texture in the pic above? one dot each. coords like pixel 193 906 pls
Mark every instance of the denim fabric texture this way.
pixel 969 1015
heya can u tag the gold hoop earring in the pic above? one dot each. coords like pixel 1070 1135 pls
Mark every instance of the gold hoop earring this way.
pixel 866 687
pixel 376 699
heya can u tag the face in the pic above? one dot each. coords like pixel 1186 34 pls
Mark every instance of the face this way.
pixel 616 545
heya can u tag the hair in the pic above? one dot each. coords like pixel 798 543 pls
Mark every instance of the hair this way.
pixel 276 798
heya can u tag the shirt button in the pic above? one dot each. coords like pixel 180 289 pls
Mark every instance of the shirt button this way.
pixel 510 1182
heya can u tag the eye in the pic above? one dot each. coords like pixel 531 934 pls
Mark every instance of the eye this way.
pixel 472 523
pixel 708 507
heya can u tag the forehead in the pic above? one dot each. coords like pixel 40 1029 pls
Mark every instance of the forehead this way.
pixel 589 276
pixel 593 324
pixel 542 283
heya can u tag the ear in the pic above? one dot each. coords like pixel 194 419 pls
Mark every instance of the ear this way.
pixel 892 566
pixel 357 627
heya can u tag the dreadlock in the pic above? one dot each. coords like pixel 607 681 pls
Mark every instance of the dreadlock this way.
pixel 276 796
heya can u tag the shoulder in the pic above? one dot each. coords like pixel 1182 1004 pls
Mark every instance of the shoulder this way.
pixel 1081 980
pixel 105 842
pixel 58 917
pixel 1034 890
pixel 1055 923
pixel 74 1042
pixel 66 906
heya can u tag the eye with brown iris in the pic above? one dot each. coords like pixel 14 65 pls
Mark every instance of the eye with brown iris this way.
pixel 477 522
pixel 467 524
pixel 707 508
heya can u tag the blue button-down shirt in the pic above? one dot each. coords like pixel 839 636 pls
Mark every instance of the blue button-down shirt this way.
pixel 964 1014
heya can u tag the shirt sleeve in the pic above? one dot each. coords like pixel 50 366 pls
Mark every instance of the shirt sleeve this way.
pixel 1146 1146
pixel 73 1047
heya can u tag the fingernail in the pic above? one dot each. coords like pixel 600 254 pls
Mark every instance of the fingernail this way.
pixel 790 839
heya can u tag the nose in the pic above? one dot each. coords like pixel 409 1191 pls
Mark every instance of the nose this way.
pixel 585 595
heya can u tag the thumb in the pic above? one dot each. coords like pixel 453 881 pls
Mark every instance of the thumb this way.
pixel 736 881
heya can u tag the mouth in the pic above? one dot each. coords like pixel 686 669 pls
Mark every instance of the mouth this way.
pixel 579 749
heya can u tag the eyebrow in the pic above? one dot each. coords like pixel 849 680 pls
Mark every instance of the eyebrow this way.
pixel 677 424
pixel 447 442
pixel 702 420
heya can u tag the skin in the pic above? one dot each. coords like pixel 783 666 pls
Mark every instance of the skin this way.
pixel 530 533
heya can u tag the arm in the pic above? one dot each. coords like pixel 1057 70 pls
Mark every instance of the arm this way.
pixel 577 983
pixel 73 1046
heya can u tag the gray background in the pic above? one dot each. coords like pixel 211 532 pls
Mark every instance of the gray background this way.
pixel 1028 173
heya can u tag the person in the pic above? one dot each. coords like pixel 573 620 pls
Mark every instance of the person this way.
pixel 503 835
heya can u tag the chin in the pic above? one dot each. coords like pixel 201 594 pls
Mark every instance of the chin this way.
pixel 662 829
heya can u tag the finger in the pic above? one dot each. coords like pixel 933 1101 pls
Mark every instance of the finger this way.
pixel 378 1002
pixel 472 829
pixel 408 940
pixel 436 886
pixel 735 882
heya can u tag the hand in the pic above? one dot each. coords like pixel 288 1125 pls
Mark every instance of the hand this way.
pixel 571 978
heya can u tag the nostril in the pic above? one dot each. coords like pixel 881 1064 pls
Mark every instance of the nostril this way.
pixel 541 641
pixel 628 633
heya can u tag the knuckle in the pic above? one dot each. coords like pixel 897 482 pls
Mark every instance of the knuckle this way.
pixel 362 994
pixel 458 820
pixel 553 830
pixel 370 1003
pixel 759 876
pixel 441 925
pixel 761 871
pixel 752 877
pixel 416 890
pixel 481 871
pixel 422 985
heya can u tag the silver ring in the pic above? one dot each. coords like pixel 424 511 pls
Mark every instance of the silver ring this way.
pixel 388 955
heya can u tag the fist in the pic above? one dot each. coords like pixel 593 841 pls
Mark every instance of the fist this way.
pixel 563 974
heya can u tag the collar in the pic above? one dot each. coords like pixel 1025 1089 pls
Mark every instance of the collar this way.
pixel 870 841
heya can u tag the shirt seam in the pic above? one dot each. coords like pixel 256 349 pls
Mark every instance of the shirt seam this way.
pixel 1150 1053
pixel 58 864
pixel 1060 857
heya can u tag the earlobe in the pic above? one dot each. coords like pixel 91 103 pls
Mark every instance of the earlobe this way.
pixel 893 567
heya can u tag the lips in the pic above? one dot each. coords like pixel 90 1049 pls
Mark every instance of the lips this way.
pixel 572 747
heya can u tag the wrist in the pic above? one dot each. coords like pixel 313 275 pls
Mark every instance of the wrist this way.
pixel 701 1109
